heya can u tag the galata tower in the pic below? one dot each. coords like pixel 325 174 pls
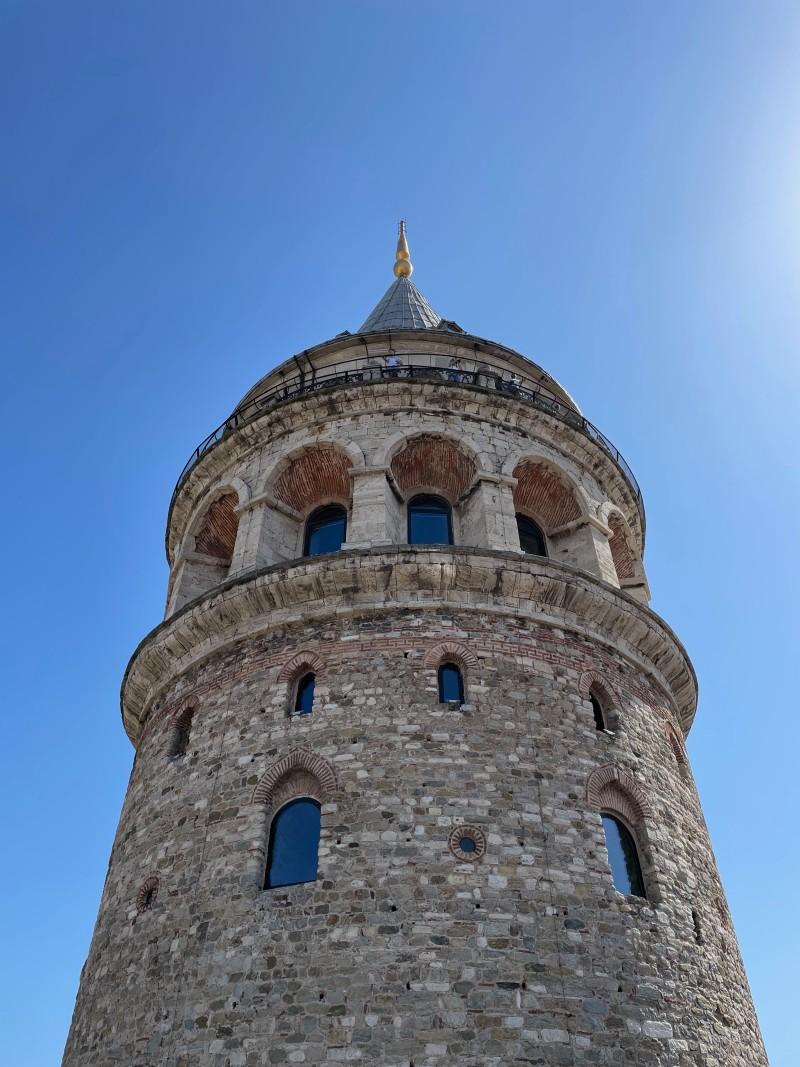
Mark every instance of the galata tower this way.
pixel 410 786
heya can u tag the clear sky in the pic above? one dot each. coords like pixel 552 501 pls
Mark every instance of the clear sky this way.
pixel 193 191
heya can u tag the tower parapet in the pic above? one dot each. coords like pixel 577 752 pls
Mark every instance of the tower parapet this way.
pixel 411 784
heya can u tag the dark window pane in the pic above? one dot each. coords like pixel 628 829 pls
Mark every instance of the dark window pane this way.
pixel 466 844
pixel 451 685
pixel 626 872
pixel 597 708
pixel 304 701
pixel 294 844
pixel 429 521
pixel 531 538
pixel 325 530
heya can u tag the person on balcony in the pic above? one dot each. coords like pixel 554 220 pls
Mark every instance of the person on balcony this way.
pixel 455 370
pixel 392 362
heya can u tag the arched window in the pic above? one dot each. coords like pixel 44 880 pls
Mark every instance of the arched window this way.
pixel 325 530
pixel 599 713
pixel 181 729
pixel 293 844
pixel 304 697
pixel 626 871
pixel 430 520
pixel 451 684
pixel 531 536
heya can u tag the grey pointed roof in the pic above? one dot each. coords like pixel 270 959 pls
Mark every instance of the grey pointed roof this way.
pixel 402 307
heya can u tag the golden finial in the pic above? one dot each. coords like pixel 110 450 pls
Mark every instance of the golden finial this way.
pixel 402 267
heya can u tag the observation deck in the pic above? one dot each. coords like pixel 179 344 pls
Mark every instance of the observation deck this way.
pixel 483 374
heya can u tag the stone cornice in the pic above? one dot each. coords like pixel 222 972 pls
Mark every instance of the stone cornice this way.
pixel 362 581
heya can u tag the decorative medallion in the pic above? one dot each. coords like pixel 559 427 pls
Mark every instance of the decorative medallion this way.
pixel 467 843
pixel 146 897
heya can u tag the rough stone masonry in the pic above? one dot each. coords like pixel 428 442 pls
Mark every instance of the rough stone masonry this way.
pixel 408 951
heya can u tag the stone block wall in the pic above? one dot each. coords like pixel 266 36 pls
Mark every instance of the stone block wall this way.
pixel 401 953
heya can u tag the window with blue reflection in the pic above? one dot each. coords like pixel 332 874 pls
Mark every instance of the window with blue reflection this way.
pixel 294 844
pixel 451 684
pixel 531 536
pixel 626 871
pixel 326 529
pixel 304 699
pixel 429 521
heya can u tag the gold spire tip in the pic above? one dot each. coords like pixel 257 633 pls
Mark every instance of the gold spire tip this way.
pixel 403 266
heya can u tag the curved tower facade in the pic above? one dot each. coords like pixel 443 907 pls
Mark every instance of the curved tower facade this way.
pixel 410 784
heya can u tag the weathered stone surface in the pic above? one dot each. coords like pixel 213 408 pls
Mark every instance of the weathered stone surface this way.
pixel 405 951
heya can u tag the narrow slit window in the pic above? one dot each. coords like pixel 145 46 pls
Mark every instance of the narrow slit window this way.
pixel 599 713
pixel 326 529
pixel 531 537
pixel 451 684
pixel 430 521
pixel 626 871
pixel 304 698
pixel 698 930
pixel 293 853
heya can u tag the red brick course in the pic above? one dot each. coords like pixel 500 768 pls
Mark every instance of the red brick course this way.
pixel 620 549
pixel 541 494
pixel 319 475
pixel 433 463
pixel 217 534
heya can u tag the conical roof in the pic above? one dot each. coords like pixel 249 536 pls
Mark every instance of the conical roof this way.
pixel 402 307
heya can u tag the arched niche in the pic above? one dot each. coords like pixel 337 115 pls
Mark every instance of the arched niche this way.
pixel 544 494
pixel 206 558
pixel 429 468
pixel 300 486
pixel 625 556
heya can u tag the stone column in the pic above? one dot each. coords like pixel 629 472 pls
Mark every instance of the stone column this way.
pixel 487 517
pixel 193 574
pixel 376 517
pixel 269 532
pixel 584 544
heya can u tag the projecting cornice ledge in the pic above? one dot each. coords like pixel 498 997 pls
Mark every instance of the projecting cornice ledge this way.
pixel 361 581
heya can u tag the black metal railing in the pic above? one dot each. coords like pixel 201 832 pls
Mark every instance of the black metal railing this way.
pixel 424 366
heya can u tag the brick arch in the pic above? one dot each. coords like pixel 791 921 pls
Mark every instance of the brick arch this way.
pixel 299 773
pixel 593 684
pixel 180 725
pixel 543 493
pixel 431 462
pixel 301 662
pixel 186 708
pixel 676 744
pixel 450 651
pixel 318 475
pixel 619 543
pixel 593 680
pixel 615 791
pixel 216 534
pixel 147 893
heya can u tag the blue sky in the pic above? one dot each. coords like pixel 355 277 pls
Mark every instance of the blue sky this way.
pixel 191 192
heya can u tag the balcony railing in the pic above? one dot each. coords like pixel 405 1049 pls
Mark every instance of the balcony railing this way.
pixel 422 366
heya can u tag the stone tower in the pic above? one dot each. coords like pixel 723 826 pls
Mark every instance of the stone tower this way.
pixel 410 784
